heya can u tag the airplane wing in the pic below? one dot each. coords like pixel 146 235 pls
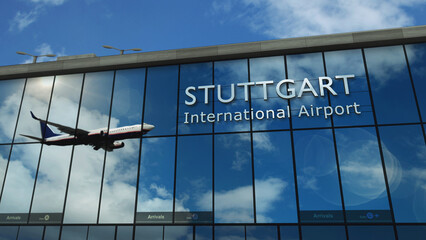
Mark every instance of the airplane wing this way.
pixel 97 146
pixel 62 128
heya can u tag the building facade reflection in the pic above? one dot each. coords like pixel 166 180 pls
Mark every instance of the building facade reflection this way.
pixel 331 170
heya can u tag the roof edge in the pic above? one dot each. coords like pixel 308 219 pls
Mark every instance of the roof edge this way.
pixel 404 35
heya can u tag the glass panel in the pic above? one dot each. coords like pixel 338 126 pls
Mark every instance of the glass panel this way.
pixel 8 232
pixel 229 232
pixel 128 97
pixel 363 182
pixel 74 233
pixel 195 75
pixel 404 152
pixel 308 66
pixel 124 233
pixel 274 179
pixel 155 195
pixel 119 187
pixel 4 158
pixel 228 74
pixel 261 70
pixel 370 232
pixel 289 233
pixel 194 180
pixel 55 160
pixel 318 182
pixel 84 188
pixel 65 99
pixel 51 185
pixel 19 183
pixel 101 233
pixel 149 232
pixel 160 100
pixel 416 54
pixel 52 233
pixel 346 63
pixel 233 179
pixel 10 100
pixel 30 233
pixel 391 85
pixel 87 164
pixel 411 232
pixel 323 233
pixel 261 233
pixel 203 233
pixel 178 233
pixel 36 99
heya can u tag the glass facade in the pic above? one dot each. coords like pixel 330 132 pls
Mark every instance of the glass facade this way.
pixel 322 145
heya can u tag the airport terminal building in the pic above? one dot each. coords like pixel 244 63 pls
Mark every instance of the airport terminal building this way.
pixel 306 138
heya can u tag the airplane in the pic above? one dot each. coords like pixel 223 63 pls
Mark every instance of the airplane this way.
pixel 98 138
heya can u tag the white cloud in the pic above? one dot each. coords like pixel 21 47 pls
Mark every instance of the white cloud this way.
pixel 160 191
pixel 241 160
pixel 267 193
pixel 9 111
pixel 369 176
pixel 24 19
pixel 308 182
pixel 44 48
pixel 155 201
pixel 295 18
pixel 236 205
pixel 3 164
pixel 262 141
pixel 361 170
pixel 384 65
pixel 20 179
pixel 36 99
pixel 118 202
pixel 52 179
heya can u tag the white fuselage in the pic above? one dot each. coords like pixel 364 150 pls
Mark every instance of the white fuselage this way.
pixel 133 131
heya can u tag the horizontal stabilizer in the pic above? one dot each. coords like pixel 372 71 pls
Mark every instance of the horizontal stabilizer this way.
pixel 32 137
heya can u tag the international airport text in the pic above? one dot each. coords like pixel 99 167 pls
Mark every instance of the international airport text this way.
pixel 247 115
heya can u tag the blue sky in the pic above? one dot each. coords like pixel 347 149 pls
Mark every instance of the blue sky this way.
pixel 71 27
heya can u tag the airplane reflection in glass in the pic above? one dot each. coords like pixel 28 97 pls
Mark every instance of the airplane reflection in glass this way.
pixel 98 138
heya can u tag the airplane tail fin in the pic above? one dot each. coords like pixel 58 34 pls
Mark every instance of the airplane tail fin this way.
pixel 46 131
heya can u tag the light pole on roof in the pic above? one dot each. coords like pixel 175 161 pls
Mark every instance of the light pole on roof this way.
pixel 35 56
pixel 121 50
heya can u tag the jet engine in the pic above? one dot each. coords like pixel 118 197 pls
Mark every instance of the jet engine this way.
pixel 117 145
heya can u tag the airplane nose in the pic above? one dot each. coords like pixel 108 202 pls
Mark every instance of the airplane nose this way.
pixel 148 127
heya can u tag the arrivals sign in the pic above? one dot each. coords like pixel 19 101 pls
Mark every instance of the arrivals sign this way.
pixel 284 89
